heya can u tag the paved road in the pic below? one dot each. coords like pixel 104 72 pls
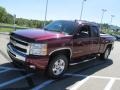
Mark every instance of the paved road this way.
pixel 92 75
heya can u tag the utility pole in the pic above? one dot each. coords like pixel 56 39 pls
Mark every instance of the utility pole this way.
pixel 82 9
pixel 46 12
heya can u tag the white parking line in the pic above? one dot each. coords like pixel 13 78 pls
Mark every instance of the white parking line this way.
pixel 1 67
pixel 109 85
pixel 92 76
pixel 4 71
pixel 77 84
pixel 44 84
pixel 15 80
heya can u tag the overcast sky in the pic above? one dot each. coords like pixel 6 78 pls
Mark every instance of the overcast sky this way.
pixel 64 9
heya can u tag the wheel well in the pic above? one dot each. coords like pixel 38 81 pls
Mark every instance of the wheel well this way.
pixel 65 52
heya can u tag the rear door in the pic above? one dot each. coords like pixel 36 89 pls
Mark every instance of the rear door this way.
pixel 94 39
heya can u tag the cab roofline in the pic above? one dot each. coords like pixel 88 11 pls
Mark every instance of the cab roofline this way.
pixel 87 22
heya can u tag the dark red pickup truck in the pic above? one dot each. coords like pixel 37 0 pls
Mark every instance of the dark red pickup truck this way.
pixel 60 44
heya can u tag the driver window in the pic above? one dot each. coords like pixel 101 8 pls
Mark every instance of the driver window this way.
pixel 84 31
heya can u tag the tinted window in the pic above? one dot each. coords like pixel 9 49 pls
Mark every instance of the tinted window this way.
pixel 54 26
pixel 67 27
pixel 94 31
pixel 84 31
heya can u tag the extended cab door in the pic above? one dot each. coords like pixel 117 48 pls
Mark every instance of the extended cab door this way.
pixel 81 42
pixel 94 40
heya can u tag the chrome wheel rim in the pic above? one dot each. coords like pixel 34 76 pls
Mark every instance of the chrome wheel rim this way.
pixel 107 52
pixel 58 67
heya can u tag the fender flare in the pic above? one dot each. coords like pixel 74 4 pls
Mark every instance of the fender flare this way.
pixel 59 49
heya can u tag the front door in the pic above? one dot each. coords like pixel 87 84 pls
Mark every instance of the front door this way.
pixel 81 42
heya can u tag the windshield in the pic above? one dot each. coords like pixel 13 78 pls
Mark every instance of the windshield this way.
pixel 66 27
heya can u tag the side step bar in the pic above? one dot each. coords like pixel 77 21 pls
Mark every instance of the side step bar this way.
pixel 72 64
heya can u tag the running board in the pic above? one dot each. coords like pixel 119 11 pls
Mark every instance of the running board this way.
pixel 72 64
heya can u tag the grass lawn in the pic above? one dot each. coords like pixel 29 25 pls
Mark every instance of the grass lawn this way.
pixel 8 27
pixel 2 24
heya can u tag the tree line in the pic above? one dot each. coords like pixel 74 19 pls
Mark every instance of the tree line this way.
pixel 7 18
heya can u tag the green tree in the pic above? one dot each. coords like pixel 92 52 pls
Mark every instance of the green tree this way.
pixel 5 17
pixel 3 14
pixel 8 19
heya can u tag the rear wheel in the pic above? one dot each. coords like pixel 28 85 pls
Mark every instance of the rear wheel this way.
pixel 105 55
pixel 57 66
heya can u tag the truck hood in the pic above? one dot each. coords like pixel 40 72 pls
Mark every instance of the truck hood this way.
pixel 39 34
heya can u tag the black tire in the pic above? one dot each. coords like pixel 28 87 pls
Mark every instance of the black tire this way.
pixel 105 55
pixel 51 66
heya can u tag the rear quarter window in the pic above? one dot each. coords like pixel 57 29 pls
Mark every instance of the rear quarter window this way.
pixel 94 31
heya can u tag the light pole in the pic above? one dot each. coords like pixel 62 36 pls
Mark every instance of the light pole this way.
pixel 82 9
pixel 103 12
pixel 112 16
pixel 14 19
pixel 111 21
pixel 46 12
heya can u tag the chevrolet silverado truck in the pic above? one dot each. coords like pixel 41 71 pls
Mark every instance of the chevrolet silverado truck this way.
pixel 59 45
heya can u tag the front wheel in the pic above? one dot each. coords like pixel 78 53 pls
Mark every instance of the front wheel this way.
pixel 104 56
pixel 57 66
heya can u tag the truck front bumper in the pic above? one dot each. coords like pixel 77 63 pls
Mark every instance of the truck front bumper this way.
pixel 39 62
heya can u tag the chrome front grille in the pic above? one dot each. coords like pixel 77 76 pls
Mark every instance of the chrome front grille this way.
pixel 19 45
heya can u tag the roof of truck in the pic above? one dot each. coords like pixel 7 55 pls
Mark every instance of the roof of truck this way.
pixel 86 22
pixel 83 22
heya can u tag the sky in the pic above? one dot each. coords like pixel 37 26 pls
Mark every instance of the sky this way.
pixel 64 9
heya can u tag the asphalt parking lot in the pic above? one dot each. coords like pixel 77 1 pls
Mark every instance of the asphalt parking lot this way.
pixel 92 75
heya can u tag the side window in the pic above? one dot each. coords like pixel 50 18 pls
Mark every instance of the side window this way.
pixel 94 31
pixel 84 31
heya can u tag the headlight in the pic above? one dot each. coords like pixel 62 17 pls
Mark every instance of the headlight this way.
pixel 38 49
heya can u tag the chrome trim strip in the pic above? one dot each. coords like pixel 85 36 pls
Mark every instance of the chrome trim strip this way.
pixel 19 40
pixel 17 56
pixel 18 45
pixel 66 48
